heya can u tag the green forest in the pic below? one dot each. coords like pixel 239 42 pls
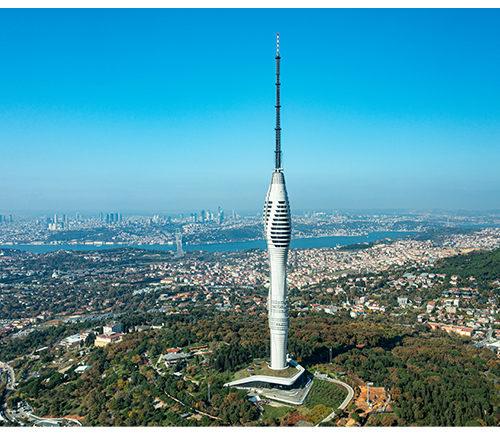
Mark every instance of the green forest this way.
pixel 434 379
pixel 483 266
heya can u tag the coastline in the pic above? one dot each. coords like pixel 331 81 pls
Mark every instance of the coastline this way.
pixel 297 243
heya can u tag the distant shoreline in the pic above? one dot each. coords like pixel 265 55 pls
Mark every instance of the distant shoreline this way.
pixel 298 243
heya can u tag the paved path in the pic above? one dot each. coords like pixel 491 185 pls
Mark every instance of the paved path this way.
pixel 347 400
pixel 157 371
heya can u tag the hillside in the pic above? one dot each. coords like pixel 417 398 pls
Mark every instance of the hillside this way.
pixel 483 266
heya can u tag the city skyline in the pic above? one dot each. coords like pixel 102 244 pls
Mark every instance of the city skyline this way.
pixel 145 110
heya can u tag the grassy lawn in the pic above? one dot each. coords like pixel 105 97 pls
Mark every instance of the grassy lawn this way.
pixel 326 393
pixel 260 367
pixel 316 413
pixel 275 413
pixel 323 398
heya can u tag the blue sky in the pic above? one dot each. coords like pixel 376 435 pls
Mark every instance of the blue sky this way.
pixel 173 110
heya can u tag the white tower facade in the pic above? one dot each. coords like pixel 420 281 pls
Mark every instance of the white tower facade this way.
pixel 278 228
pixel 277 224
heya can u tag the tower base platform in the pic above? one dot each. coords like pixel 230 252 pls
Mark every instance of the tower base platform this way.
pixel 293 388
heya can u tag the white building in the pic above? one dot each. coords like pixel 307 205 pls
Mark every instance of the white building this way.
pixel 71 341
pixel 402 301
pixel 115 327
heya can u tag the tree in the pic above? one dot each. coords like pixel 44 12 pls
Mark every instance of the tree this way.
pixel 90 339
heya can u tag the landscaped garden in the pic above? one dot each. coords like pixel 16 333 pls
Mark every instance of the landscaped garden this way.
pixel 261 367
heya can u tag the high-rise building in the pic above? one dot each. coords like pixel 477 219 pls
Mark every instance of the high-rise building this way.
pixel 220 215
pixel 113 218
pixel 277 225
pixel 178 241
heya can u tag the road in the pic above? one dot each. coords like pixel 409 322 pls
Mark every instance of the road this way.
pixel 9 386
pixel 347 400
pixel 32 417
pixel 24 411
pixel 11 378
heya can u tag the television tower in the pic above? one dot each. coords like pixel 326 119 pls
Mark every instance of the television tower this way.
pixel 277 226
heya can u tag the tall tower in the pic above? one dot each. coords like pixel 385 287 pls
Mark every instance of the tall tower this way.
pixel 178 241
pixel 277 226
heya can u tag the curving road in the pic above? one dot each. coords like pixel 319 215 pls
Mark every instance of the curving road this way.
pixel 25 410
pixel 9 386
pixel 32 417
pixel 11 378
pixel 347 400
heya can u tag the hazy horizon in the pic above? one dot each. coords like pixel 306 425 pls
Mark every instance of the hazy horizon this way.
pixel 173 110
pixel 252 213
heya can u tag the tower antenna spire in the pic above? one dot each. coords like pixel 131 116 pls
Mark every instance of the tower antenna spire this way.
pixel 277 151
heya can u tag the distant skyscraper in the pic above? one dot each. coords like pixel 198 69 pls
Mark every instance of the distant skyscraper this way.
pixel 220 215
pixel 113 218
pixel 277 225
pixel 178 241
